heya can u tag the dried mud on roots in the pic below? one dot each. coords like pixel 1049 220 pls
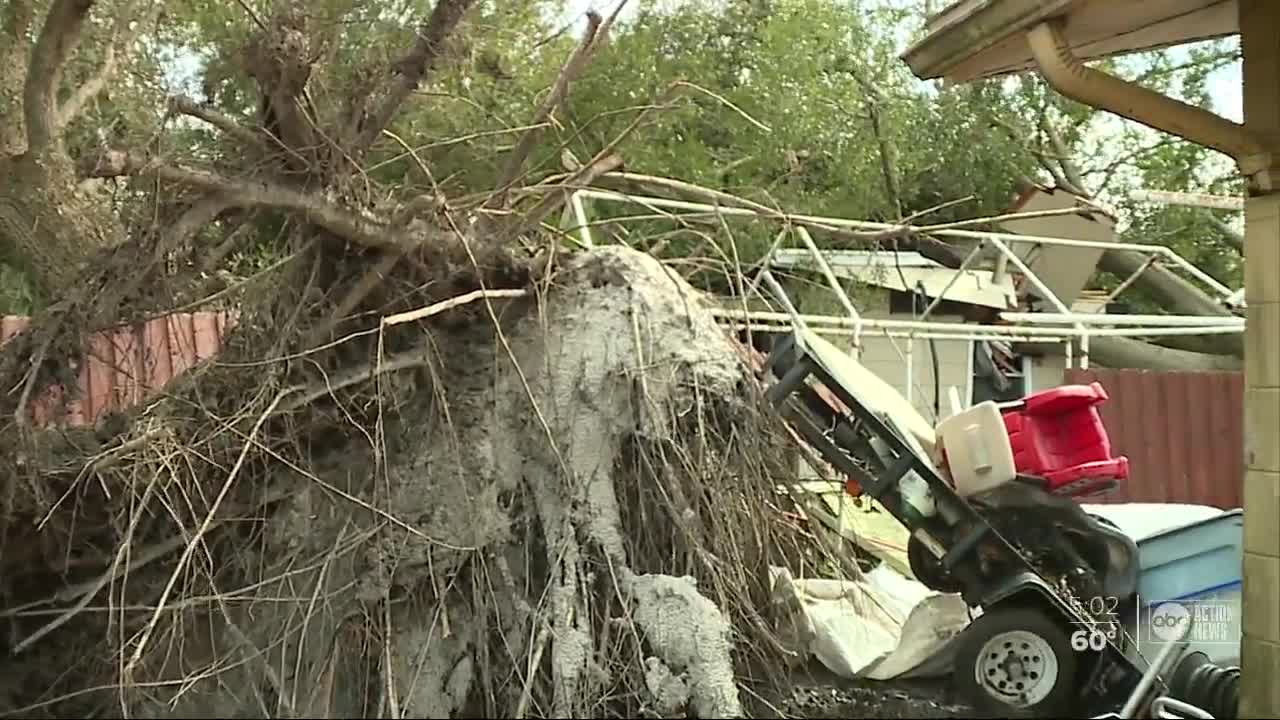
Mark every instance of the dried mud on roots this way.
pixel 568 513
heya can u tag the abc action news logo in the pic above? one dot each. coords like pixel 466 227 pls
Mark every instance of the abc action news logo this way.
pixel 1205 623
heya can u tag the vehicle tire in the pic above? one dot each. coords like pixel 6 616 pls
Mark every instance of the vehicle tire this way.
pixel 1017 662
pixel 928 569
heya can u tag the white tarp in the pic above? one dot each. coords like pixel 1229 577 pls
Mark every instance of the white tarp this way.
pixel 880 627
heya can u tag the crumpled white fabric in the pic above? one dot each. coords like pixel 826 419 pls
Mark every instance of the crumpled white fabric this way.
pixel 880 627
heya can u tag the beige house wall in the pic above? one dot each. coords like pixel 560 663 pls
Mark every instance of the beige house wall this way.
pixel 1260 652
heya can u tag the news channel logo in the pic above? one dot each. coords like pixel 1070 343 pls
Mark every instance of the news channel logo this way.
pixel 1198 621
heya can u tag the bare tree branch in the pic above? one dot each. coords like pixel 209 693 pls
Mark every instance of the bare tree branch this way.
pixel 225 123
pixel 1070 170
pixel 603 163
pixel 200 214
pixel 414 67
pixel 559 91
pixel 58 40
pixel 91 87
pixel 1217 59
pixel 1109 171
pixel 348 224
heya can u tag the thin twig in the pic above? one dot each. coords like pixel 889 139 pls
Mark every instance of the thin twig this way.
pixel 204 528
pixel 354 376
pixel 997 219
pixel 531 672
pixel 726 102
pixel 437 308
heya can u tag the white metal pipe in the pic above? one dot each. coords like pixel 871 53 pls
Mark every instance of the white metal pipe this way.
pixel 655 202
pixel 1053 298
pixel 1035 281
pixel 973 255
pixel 997 274
pixel 910 369
pixel 1104 319
pixel 1164 332
pixel 844 331
pixel 1200 200
pixel 975 331
pixel 870 323
pixel 766 263
pixel 580 214
pixel 765 326
pixel 835 286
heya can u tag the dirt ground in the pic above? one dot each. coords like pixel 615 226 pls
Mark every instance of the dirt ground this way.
pixel 818 693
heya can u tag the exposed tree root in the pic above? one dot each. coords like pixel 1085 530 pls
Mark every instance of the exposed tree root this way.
pixel 586 483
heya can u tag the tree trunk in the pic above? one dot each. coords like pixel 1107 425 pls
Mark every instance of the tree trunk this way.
pixel 1178 296
pixel 1118 353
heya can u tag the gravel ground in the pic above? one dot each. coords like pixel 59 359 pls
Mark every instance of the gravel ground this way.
pixel 817 693
pixel 871 699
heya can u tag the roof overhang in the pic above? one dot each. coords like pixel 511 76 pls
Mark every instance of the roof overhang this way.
pixel 973 39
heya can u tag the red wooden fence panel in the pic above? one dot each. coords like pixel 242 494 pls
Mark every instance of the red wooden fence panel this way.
pixel 123 366
pixel 1183 433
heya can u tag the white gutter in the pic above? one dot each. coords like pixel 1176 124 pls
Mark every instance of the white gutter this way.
pixel 1070 77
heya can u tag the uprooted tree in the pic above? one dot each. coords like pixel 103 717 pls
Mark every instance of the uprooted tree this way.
pixel 548 493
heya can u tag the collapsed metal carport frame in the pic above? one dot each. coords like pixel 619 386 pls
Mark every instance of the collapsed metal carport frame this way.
pixel 1080 323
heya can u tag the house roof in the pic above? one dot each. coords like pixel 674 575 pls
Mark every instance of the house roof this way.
pixel 904 271
pixel 972 39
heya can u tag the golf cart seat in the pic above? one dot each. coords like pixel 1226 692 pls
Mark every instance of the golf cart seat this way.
pixel 1112 553
pixel 1058 435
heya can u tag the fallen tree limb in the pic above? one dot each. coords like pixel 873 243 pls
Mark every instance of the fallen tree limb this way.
pixel 1122 353
pixel 223 122
pixel 358 228
pixel 1176 295
pixel 903 238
